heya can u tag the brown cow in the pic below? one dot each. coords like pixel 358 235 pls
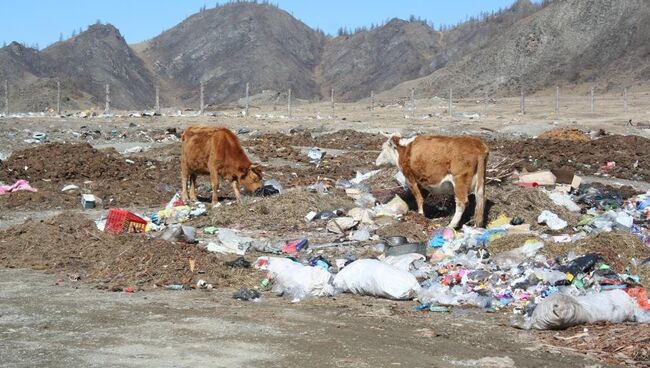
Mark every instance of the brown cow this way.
pixel 218 153
pixel 429 161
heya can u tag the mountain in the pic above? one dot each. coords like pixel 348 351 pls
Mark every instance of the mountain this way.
pixel 378 59
pixel 98 56
pixel 527 45
pixel 606 42
pixel 232 44
pixel 83 64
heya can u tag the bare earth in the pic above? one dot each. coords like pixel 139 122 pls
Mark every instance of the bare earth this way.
pixel 74 325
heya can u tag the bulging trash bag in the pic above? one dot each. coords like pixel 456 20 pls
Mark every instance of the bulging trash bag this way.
pixel 295 280
pixel 404 262
pixel 560 311
pixel 374 278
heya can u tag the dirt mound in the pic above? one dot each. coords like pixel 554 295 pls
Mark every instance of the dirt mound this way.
pixel 279 213
pixel 59 161
pixel 72 244
pixel 106 174
pixel 567 134
pixel 630 153
pixel 624 344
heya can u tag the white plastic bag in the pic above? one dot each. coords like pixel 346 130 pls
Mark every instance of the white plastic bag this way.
pixel 372 277
pixel 552 220
pixel 560 311
pixel 403 262
pixel 563 199
pixel 512 258
pixel 296 280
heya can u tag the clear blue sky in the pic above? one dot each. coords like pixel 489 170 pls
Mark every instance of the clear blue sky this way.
pixel 42 21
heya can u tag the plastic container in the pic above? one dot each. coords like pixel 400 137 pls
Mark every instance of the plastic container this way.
pixel 398 250
pixel 120 220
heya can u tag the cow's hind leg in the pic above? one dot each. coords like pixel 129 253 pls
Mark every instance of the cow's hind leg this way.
pixel 193 196
pixel 214 182
pixel 417 193
pixel 461 193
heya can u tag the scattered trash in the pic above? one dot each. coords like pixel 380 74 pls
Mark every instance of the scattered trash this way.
pixel 551 220
pixel 315 155
pixel 542 178
pixel 561 311
pixel 88 201
pixel 203 285
pixel 375 278
pixel 120 220
pixel 295 246
pixel 230 242
pixel 341 224
pixel 69 188
pixel 246 294
pixel 178 232
pixel 239 262
pixel 19 185
pixel 396 207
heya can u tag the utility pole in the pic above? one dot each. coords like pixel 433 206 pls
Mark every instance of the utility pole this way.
pixel 289 102
pixel 372 100
pixel 592 99
pixel 450 96
pixel 557 100
pixel 246 108
pixel 201 97
pixel 523 102
pixel 58 98
pixel 485 103
pixel 6 98
pixel 332 100
pixel 107 107
pixel 157 100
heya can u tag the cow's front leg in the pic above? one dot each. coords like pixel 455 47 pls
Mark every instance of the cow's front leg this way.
pixel 235 188
pixel 214 181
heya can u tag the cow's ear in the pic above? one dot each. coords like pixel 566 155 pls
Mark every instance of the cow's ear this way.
pixel 394 141
pixel 244 172
pixel 257 169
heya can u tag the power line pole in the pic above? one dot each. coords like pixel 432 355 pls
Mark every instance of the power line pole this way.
pixel 158 100
pixel 289 102
pixel 332 100
pixel 201 97
pixel 450 96
pixel 107 107
pixel 592 99
pixel 523 102
pixel 557 100
pixel 6 98
pixel 58 97
pixel 246 108
pixel 372 100
pixel 485 103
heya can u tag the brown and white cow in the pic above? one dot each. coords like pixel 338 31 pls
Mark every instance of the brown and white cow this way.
pixel 216 152
pixel 429 161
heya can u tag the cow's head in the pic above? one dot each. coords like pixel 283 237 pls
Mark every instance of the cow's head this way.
pixel 251 179
pixel 389 154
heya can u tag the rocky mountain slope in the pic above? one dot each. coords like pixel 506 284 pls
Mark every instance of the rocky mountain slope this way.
pixel 529 45
pixel 605 42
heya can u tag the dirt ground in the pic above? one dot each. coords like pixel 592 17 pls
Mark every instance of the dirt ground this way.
pixel 48 231
pixel 45 322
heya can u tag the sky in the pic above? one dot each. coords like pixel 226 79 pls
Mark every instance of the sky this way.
pixel 42 22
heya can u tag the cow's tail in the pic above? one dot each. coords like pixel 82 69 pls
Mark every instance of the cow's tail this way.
pixel 479 190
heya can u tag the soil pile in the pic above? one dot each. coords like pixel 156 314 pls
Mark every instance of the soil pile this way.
pixel 567 134
pixel 105 174
pixel 72 244
pixel 630 153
